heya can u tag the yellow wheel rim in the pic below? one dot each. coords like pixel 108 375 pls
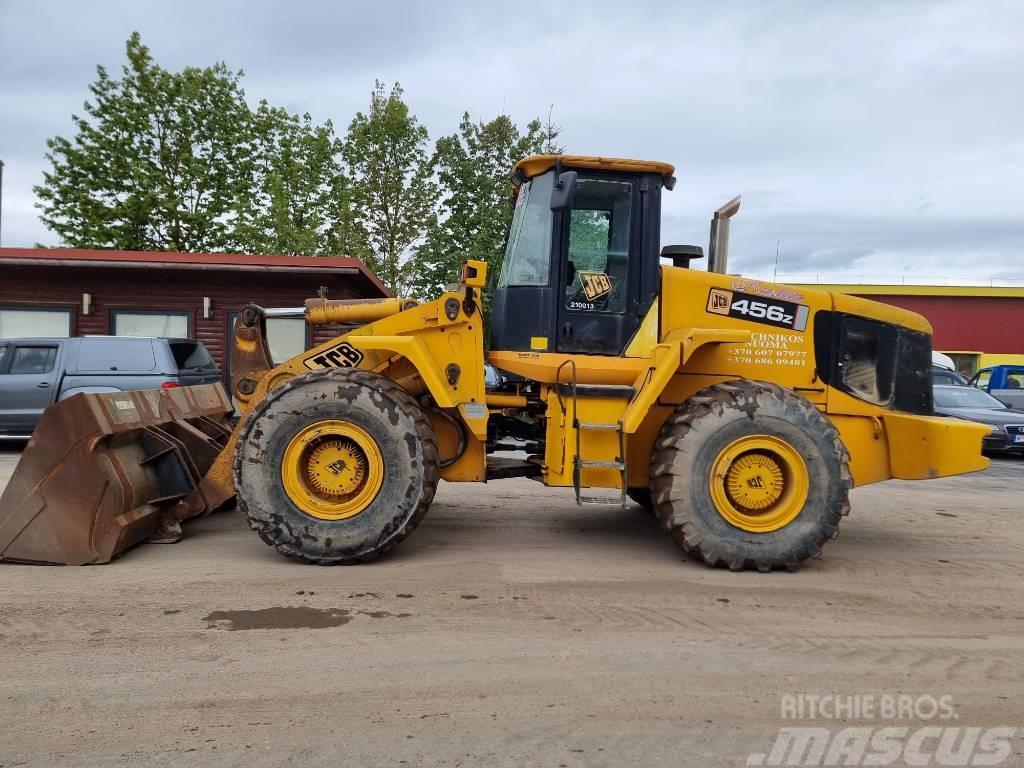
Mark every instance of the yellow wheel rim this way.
pixel 332 470
pixel 759 483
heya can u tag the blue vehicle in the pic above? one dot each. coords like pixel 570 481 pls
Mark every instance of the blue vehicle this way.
pixel 37 372
pixel 1003 382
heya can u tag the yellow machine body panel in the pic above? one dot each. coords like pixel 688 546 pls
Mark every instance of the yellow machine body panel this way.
pixel 434 350
pixel 694 337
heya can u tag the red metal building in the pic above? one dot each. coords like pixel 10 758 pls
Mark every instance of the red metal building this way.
pixel 63 292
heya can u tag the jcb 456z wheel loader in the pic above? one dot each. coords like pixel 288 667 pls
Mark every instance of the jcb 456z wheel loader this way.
pixel 740 412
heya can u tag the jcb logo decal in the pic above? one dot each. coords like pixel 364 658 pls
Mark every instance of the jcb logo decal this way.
pixel 719 301
pixel 595 284
pixel 342 355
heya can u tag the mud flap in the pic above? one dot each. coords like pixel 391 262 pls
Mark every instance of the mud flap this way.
pixel 104 471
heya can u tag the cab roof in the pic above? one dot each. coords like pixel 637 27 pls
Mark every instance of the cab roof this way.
pixel 529 167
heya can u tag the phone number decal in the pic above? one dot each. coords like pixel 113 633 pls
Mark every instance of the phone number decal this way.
pixel 758 309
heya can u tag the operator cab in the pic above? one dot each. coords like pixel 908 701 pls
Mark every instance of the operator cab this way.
pixel 581 266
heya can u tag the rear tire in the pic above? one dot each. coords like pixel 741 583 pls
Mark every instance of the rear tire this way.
pixel 641 496
pixel 363 419
pixel 748 433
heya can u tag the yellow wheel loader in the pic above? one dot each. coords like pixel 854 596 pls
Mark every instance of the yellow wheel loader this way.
pixel 740 412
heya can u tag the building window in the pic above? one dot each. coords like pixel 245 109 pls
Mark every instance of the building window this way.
pixel 286 337
pixel 965 362
pixel 138 323
pixel 34 323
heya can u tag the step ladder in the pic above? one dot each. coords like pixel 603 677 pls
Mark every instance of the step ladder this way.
pixel 580 463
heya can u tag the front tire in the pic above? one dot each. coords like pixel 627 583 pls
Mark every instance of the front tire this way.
pixel 747 474
pixel 336 467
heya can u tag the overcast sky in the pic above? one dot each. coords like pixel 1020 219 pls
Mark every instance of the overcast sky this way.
pixel 874 139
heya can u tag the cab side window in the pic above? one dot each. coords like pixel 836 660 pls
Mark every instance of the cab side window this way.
pixel 33 359
pixel 599 243
pixel 981 379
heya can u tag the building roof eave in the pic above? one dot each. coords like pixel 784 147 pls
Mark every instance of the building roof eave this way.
pixel 102 259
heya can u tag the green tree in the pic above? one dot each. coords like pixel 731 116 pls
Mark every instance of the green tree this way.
pixel 392 194
pixel 474 170
pixel 294 203
pixel 549 136
pixel 160 160
pixel 346 235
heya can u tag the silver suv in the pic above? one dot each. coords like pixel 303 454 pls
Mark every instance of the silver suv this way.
pixel 35 373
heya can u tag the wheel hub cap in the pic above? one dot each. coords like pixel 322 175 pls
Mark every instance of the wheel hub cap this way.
pixel 332 469
pixel 755 481
pixel 759 483
pixel 336 467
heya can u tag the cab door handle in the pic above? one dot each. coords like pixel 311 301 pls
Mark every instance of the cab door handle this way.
pixel 43 385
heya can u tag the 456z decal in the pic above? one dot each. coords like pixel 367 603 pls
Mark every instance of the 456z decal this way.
pixel 757 309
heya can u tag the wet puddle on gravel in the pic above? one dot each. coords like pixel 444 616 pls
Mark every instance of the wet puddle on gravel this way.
pixel 290 617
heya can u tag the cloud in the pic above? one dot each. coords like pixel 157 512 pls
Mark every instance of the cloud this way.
pixel 864 137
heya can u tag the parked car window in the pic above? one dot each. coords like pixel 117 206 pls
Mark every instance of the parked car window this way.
pixel 965 397
pixel 33 359
pixel 1015 380
pixel 125 355
pixel 22 323
pixel 944 376
pixel 3 355
pixel 189 355
pixel 981 379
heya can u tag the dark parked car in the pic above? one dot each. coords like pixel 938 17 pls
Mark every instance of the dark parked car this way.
pixel 942 375
pixel 35 373
pixel 972 404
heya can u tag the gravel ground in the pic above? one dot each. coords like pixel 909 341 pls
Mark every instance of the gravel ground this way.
pixel 512 628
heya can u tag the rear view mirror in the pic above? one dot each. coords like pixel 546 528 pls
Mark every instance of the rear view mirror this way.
pixel 564 191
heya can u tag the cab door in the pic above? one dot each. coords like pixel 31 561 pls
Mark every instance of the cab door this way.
pixel 599 282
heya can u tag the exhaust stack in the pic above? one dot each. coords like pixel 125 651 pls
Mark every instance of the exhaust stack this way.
pixel 718 247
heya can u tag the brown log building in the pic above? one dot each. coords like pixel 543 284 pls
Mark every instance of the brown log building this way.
pixel 64 292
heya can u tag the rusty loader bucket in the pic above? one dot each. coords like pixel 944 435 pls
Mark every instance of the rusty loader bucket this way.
pixel 105 471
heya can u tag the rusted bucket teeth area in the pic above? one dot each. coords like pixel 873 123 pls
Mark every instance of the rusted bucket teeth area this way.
pixel 105 471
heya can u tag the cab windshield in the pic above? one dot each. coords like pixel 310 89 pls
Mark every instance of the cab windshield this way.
pixel 528 254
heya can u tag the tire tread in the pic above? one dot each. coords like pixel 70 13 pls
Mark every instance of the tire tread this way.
pixel 424 432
